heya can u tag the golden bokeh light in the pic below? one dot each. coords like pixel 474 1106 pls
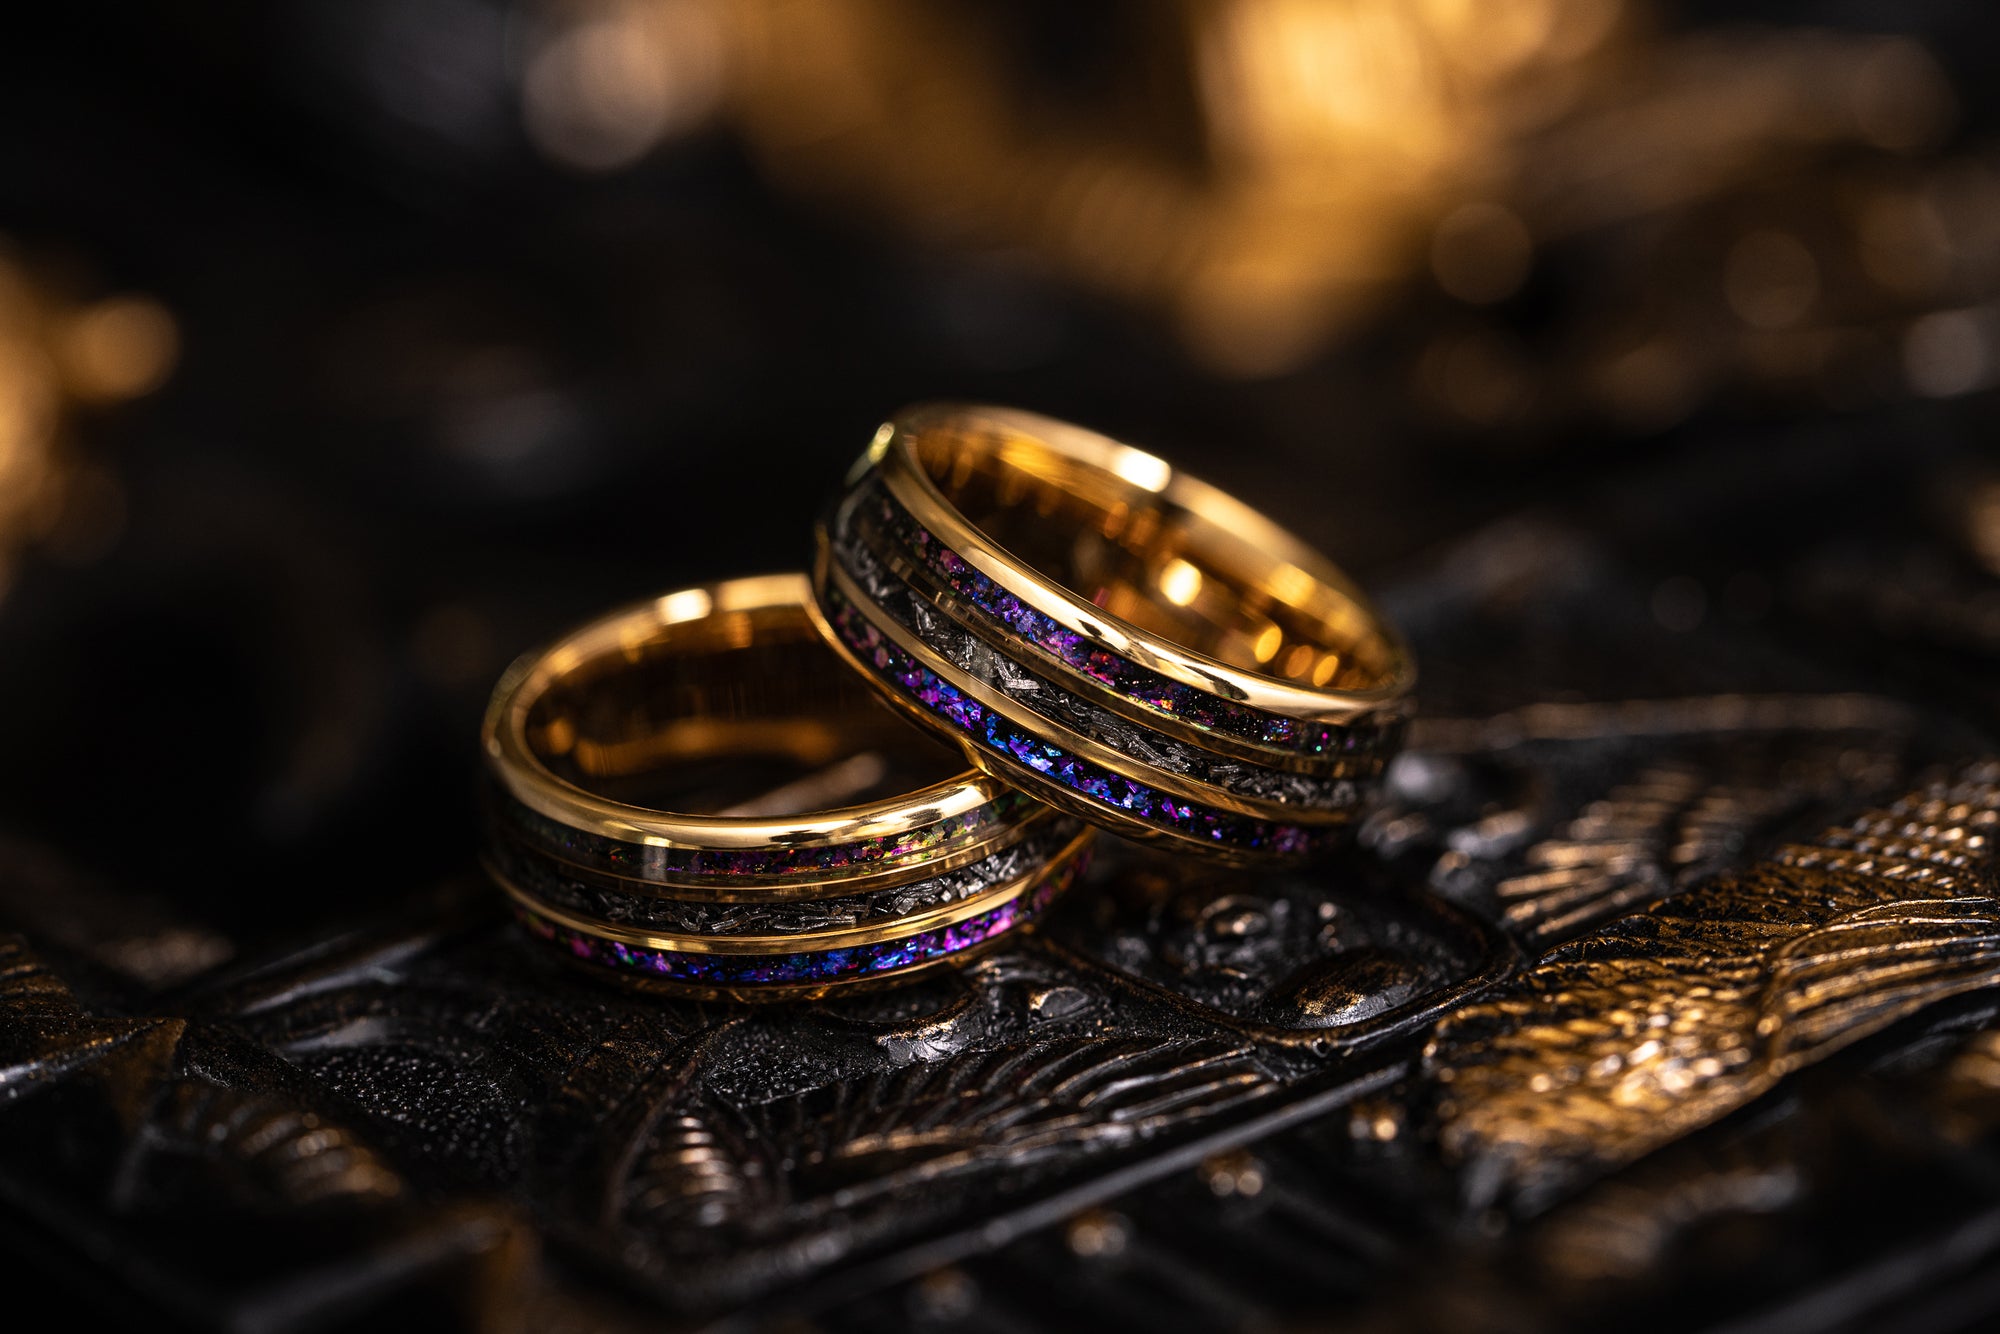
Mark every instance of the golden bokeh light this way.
pixel 1270 177
pixel 60 355
pixel 121 347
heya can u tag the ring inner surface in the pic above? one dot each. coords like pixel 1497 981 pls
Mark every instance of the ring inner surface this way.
pixel 1141 557
pixel 743 713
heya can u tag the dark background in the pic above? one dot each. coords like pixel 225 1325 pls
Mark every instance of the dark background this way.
pixel 1640 356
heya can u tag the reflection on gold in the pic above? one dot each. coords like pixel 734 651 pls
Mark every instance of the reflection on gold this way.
pixel 1627 1037
pixel 1270 175
pixel 57 354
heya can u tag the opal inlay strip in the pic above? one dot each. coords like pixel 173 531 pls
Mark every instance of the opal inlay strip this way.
pixel 1000 736
pixel 900 599
pixel 810 967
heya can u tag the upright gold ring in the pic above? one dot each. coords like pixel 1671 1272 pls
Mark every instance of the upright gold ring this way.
pixel 609 752
pixel 1128 644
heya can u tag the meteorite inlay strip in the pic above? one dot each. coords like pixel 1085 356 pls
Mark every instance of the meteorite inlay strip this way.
pixel 653 862
pixel 615 902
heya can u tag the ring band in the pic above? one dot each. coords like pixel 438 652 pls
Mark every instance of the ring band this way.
pixel 584 741
pixel 1120 640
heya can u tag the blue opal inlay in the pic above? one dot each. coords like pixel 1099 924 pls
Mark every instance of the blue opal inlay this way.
pixel 778 970
pixel 998 734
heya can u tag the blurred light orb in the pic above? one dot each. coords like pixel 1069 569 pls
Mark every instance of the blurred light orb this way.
pixel 58 353
pixel 1098 1234
pixel 610 82
pixel 120 347
pixel 1481 253
pixel 1949 352
pixel 1650 386
pixel 1770 279
pixel 27 415
pixel 1904 246
pixel 1901 99
pixel 1980 506
pixel 1489 38
pixel 1679 603
pixel 1965 196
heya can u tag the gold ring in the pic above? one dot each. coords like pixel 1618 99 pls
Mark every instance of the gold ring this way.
pixel 1124 642
pixel 594 745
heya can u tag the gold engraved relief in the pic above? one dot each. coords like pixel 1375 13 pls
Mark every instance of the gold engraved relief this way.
pixel 1662 1021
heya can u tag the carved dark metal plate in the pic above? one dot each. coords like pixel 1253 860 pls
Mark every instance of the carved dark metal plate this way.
pixel 1572 1006
pixel 1661 990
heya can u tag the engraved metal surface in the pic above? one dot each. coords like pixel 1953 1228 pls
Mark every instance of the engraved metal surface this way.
pixel 1658 991
pixel 1514 1029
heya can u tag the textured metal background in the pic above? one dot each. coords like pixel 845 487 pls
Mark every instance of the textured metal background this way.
pixel 1661 992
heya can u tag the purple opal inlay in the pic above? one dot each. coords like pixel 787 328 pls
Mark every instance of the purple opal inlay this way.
pixel 1140 684
pixel 751 970
pixel 1090 780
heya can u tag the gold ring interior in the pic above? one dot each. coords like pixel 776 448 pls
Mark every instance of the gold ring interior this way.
pixel 1174 558
pixel 716 717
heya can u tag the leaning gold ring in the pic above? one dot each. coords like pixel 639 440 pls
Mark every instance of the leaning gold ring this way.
pixel 608 752
pixel 1123 641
